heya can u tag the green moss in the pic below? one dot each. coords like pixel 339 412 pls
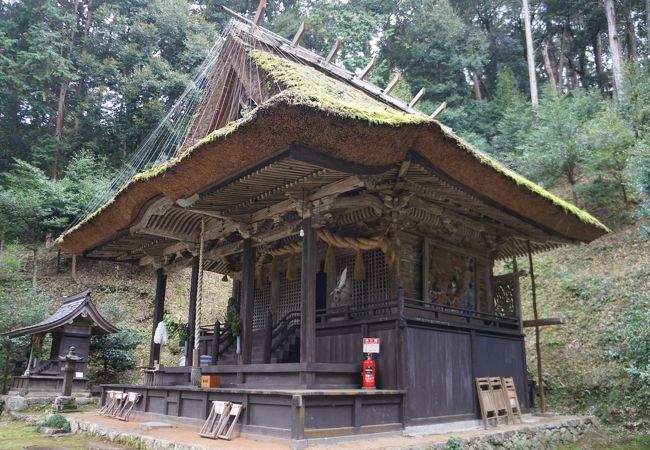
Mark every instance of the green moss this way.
pixel 569 208
pixel 305 85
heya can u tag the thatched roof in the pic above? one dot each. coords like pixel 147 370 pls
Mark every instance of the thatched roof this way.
pixel 321 111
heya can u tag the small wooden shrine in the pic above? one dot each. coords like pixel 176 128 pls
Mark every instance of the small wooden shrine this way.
pixel 72 325
pixel 341 213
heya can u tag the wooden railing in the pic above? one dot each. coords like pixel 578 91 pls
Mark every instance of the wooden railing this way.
pixel 222 339
pixel 413 309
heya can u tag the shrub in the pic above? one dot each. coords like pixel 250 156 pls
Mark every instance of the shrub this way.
pixel 55 421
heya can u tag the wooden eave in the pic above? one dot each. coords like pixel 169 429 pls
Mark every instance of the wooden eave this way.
pixel 287 186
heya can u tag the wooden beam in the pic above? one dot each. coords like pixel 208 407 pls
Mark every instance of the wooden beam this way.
pixel 417 97
pixel 366 70
pixel 438 110
pixel 333 51
pixel 403 169
pixel 298 36
pixel 388 89
pixel 545 322
pixel 283 44
pixel 338 187
pixel 260 12
pixel 155 208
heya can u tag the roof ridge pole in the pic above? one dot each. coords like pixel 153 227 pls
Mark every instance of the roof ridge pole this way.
pixel 389 88
pixel 333 51
pixel 366 70
pixel 438 110
pixel 417 97
pixel 538 348
pixel 259 13
pixel 298 36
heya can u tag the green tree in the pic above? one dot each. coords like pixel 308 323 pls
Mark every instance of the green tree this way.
pixel 21 305
pixel 556 148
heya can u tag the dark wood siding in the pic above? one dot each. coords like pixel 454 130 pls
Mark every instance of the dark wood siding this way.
pixel 502 357
pixel 439 373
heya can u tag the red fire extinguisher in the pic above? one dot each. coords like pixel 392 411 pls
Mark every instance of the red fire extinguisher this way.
pixel 368 373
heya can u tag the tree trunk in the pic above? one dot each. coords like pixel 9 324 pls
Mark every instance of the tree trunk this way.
pixel 477 86
pixel 630 33
pixel 58 133
pixel 530 55
pixel 598 61
pixel 548 66
pixel 647 21
pixel 562 59
pixel 614 49
pixel 35 267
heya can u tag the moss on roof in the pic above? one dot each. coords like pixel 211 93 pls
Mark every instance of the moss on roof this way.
pixel 569 208
pixel 305 85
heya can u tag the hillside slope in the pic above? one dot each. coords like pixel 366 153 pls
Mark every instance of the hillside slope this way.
pixel 125 294
pixel 603 289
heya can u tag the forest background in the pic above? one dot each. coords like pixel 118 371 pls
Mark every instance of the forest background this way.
pixel 82 82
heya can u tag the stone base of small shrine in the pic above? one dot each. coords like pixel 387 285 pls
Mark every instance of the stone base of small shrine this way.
pixel 65 403
pixel 22 402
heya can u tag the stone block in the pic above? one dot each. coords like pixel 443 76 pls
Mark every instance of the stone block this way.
pixel 155 425
pixel 65 403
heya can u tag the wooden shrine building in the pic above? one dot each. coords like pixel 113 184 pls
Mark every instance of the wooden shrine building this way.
pixel 72 325
pixel 295 170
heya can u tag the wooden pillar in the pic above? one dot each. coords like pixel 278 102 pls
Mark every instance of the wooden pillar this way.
pixel 519 313
pixel 191 313
pixel 538 348
pixel 216 342
pixel 308 294
pixel 158 311
pixel 247 290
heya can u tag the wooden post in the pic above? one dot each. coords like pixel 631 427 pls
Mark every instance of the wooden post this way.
pixel 538 349
pixel 515 281
pixel 246 308
pixel 158 311
pixel 216 342
pixel 31 355
pixel 191 313
pixel 308 294
pixel 268 338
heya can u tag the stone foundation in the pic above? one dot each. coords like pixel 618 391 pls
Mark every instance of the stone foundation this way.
pixel 19 402
pixel 526 436
pixel 529 437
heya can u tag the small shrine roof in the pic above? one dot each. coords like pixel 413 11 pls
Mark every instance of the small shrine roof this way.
pixel 73 307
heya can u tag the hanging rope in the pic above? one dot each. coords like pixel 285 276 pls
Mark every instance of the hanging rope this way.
pixel 358 244
pixel 199 291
